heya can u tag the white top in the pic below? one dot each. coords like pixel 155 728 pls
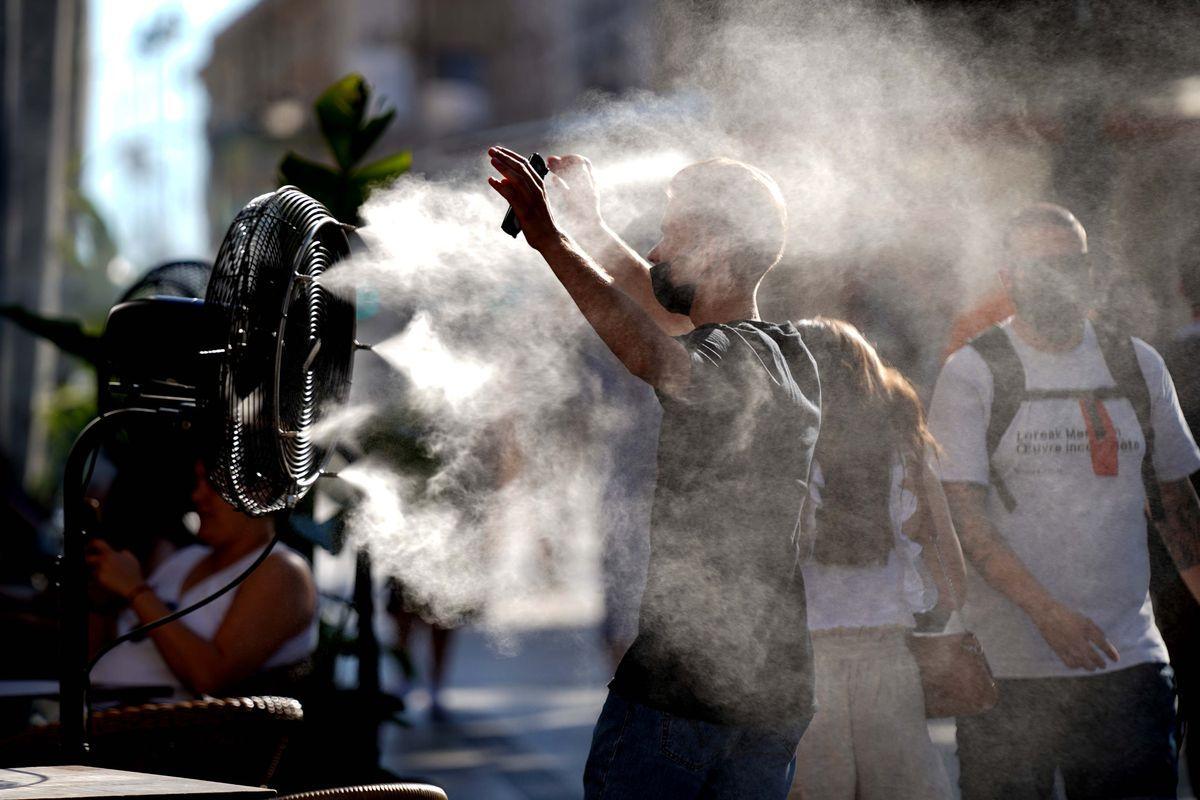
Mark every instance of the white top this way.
pixel 877 595
pixel 1081 534
pixel 140 664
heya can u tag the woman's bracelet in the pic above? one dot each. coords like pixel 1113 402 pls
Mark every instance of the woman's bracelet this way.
pixel 142 587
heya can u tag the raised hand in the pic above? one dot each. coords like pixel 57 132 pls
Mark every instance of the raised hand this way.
pixel 526 193
pixel 572 191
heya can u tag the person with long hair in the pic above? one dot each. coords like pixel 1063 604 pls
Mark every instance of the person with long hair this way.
pixel 269 622
pixel 883 548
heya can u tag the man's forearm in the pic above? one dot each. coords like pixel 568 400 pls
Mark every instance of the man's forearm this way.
pixel 1191 579
pixel 612 252
pixel 989 554
pixel 624 324
pixel 631 273
pixel 1078 641
pixel 636 339
pixel 1180 530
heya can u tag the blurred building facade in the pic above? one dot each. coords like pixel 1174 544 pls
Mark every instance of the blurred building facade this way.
pixel 1104 93
pixel 42 58
pixel 452 69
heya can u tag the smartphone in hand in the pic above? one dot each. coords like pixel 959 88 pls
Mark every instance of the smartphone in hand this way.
pixel 511 224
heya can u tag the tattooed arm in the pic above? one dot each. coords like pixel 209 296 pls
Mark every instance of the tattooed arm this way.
pixel 1180 530
pixel 1076 640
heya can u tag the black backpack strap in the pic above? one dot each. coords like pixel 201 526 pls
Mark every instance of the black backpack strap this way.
pixel 1008 391
pixel 1121 359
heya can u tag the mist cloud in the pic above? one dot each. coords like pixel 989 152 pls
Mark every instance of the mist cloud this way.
pixel 900 139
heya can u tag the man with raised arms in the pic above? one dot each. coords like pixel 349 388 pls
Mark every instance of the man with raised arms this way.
pixel 713 695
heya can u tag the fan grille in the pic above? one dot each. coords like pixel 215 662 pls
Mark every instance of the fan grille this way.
pixel 288 351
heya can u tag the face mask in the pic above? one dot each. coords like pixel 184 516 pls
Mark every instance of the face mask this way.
pixel 673 297
pixel 1052 301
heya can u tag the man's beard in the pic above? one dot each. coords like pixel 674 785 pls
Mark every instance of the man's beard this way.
pixel 1052 307
pixel 674 297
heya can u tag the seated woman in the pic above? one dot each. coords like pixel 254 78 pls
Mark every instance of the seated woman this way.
pixel 883 549
pixel 268 621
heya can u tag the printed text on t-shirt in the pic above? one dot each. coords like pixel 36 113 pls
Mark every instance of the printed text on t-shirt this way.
pixel 1064 440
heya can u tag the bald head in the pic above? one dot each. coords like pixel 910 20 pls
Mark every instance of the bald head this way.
pixel 1047 273
pixel 737 204
pixel 1044 230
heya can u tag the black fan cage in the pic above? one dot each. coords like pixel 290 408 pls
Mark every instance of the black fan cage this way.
pixel 172 279
pixel 288 350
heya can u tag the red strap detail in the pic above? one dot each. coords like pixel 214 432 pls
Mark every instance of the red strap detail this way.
pixel 1102 436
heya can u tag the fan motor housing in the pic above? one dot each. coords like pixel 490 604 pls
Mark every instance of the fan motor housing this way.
pixel 157 353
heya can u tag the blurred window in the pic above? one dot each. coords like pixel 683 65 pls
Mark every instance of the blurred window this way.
pixel 457 99
pixel 459 65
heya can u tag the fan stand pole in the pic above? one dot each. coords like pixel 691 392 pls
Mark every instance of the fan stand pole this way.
pixel 368 657
pixel 73 580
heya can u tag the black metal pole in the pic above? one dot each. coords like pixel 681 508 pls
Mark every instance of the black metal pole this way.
pixel 368 651
pixel 73 631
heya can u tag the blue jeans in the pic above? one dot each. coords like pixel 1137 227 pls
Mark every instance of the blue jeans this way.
pixel 1112 735
pixel 640 752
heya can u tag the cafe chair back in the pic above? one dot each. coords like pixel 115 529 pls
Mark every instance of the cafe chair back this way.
pixel 375 791
pixel 232 740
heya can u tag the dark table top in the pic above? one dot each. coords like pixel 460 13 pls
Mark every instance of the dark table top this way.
pixel 29 688
pixel 35 688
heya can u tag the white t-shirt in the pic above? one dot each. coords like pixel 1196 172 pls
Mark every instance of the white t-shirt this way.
pixel 139 663
pixel 1082 535
pixel 871 596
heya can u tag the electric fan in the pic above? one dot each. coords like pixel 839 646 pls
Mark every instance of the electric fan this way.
pixel 254 366
pixel 275 381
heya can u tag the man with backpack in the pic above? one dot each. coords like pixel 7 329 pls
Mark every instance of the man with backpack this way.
pixel 1060 435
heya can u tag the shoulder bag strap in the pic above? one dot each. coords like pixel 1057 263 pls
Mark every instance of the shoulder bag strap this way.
pixel 1121 359
pixel 1008 390
pixel 943 524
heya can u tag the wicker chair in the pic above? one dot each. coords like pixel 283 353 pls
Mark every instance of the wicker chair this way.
pixel 234 740
pixel 375 791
